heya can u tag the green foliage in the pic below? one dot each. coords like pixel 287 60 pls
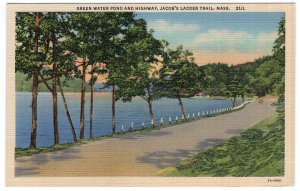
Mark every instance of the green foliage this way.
pixel 21 152
pixel 214 79
pixel 268 76
pixel 281 112
pixel 270 73
pixel 28 59
pixel 275 168
pixel 279 44
pixel 279 55
pixel 179 74
pixel 141 78
pixel 234 86
pixel 222 80
pixel 123 48
pixel 258 151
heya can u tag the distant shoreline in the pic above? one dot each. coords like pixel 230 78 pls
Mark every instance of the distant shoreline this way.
pixel 108 94
pixel 78 94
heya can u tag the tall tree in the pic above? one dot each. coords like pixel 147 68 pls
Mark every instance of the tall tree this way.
pixel 61 63
pixel 143 80
pixel 92 82
pixel 54 89
pixel 234 86
pixel 31 50
pixel 85 41
pixel 40 54
pixel 179 75
pixel 117 60
pixel 279 55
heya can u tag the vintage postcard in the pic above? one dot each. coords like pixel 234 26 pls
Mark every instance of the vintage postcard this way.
pixel 150 94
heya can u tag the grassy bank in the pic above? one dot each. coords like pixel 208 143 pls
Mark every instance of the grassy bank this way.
pixel 258 151
pixel 25 85
pixel 21 152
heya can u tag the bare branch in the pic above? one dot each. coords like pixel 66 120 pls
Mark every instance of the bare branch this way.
pixel 60 74
pixel 45 82
pixel 42 18
pixel 144 97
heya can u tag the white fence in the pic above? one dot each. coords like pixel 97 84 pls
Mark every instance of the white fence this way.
pixel 194 116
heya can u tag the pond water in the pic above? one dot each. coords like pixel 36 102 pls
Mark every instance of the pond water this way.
pixel 126 113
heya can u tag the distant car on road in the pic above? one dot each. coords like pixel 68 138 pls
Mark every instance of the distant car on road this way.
pixel 199 94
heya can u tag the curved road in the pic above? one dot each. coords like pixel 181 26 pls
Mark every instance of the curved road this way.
pixel 143 154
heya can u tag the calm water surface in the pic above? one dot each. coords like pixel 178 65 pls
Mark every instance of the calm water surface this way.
pixel 135 111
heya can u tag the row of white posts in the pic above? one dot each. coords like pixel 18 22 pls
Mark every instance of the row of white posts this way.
pixel 193 116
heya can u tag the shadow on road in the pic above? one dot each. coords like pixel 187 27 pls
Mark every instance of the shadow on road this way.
pixel 154 133
pixel 162 159
pixel 40 159
pixel 208 143
pixel 26 171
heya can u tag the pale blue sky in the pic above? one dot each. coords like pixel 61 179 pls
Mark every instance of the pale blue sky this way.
pixel 244 34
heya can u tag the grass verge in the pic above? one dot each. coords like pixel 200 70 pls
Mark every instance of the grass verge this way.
pixel 22 152
pixel 258 151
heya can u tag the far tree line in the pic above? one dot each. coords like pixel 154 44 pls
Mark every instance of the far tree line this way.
pixel 54 48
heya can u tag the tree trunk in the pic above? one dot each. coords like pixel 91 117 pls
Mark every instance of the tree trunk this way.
pixel 34 110
pixel 55 120
pixel 113 122
pixel 54 92
pixel 67 111
pixel 36 33
pixel 243 98
pixel 233 101
pixel 151 112
pixel 35 85
pixel 182 107
pixel 92 102
pixel 82 100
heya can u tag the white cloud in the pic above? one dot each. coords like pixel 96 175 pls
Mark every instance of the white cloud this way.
pixel 224 40
pixel 215 35
pixel 214 40
pixel 168 27
pixel 263 37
